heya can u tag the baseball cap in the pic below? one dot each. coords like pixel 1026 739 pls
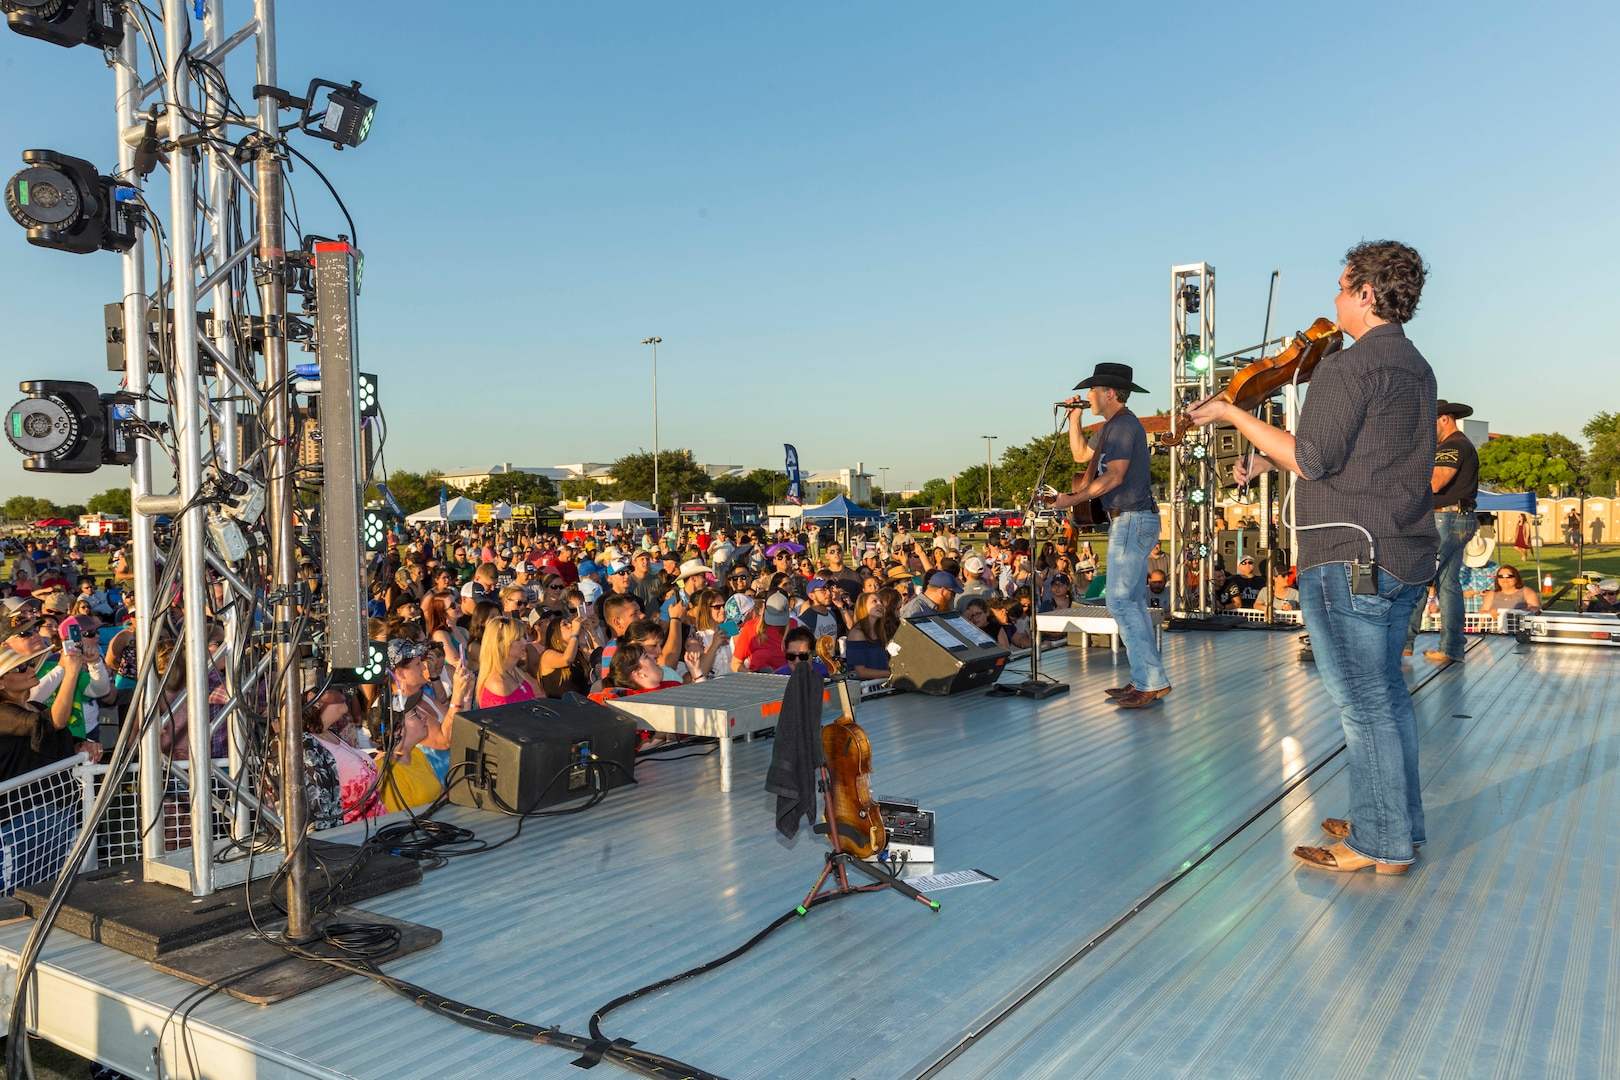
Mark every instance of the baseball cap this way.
pixel 1609 585
pixel 1246 559
pixel 401 650
pixel 776 610
pixel 739 607
pixel 618 566
pixel 589 591
pixel 943 580
pixel 973 564
pixel 58 604
pixel 817 583
pixel 588 567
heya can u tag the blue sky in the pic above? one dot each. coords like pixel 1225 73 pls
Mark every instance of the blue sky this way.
pixel 879 231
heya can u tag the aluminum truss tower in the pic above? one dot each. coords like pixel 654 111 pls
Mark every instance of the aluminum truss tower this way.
pixel 1193 377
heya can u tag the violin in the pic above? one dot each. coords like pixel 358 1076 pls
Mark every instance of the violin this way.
pixel 857 822
pixel 1259 380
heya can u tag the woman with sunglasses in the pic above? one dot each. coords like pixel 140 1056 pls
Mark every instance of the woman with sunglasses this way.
pixel 1510 593
pixel 503 656
pixel 708 648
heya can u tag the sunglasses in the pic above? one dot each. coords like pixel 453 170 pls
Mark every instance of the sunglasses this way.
pixel 798 656
pixel 1508 574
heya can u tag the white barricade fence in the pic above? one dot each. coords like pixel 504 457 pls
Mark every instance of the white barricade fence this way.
pixel 42 812
pixel 1480 622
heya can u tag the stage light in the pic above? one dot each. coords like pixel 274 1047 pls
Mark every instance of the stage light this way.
pixel 66 205
pixel 1199 451
pixel 346 120
pixel 374 530
pixel 370 672
pixel 1196 496
pixel 1189 298
pixel 1192 350
pixel 367 399
pixel 70 427
pixel 67 22
pixel 1203 551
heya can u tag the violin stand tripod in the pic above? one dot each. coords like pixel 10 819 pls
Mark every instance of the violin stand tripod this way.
pixel 840 862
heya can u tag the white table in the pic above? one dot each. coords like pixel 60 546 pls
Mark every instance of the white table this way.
pixel 720 708
pixel 1083 620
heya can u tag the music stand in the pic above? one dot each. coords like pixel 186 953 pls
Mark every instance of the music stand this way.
pixel 840 862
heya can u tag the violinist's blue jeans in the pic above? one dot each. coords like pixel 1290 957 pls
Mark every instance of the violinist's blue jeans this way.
pixel 1357 642
pixel 1131 537
pixel 1456 528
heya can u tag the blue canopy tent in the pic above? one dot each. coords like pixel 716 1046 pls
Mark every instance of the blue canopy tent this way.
pixel 1493 502
pixel 842 509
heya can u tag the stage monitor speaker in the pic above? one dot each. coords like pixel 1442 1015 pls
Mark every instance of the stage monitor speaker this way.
pixel 532 754
pixel 944 654
pixel 1227 547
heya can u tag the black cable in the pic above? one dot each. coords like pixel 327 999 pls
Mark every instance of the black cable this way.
pixel 777 924
pixel 354 234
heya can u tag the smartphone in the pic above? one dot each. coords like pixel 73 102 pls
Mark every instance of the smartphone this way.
pixel 730 627
pixel 72 635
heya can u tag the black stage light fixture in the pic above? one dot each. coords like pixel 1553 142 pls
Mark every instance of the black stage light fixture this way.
pixel 67 22
pixel 346 120
pixel 370 673
pixel 366 394
pixel 374 531
pixel 1196 496
pixel 70 427
pixel 1199 451
pixel 1197 359
pixel 1189 298
pixel 65 204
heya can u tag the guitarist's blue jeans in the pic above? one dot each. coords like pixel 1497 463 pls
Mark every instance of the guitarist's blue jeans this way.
pixel 1131 537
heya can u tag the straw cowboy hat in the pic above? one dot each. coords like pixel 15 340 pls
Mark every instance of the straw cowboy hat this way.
pixel 1479 551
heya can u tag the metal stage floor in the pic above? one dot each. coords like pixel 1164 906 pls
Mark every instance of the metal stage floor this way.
pixel 1147 920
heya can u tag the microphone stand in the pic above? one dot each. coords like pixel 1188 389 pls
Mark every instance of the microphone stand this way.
pixel 1034 687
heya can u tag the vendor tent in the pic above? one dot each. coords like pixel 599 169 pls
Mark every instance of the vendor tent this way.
pixel 587 512
pixel 459 508
pixel 839 507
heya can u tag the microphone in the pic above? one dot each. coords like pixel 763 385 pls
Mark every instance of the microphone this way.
pixel 1081 405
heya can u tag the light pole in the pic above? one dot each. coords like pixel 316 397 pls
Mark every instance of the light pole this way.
pixel 883 504
pixel 989 485
pixel 653 341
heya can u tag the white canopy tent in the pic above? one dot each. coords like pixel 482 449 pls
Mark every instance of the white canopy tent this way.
pixel 586 513
pixel 621 511
pixel 460 508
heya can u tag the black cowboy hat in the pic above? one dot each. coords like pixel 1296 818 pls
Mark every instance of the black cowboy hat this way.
pixel 1113 376
pixel 1453 409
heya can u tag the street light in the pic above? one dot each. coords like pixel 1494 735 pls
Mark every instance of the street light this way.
pixel 653 341
pixel 989 486
pixel 883 503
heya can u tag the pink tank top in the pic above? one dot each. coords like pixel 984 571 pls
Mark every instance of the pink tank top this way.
pixel 488 698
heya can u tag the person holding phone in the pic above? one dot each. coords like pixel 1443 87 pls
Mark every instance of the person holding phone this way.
pixel 78 663
pixel 565 663
pixel 708 648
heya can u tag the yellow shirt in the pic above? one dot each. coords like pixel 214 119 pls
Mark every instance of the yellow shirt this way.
pixel 416 782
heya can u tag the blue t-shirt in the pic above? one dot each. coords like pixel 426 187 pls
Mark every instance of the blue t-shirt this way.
pixel 1124 439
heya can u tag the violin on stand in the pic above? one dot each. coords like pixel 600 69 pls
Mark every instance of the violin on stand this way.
pixel 854 822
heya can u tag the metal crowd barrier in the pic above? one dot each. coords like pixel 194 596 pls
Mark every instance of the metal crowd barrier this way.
pixel 42 812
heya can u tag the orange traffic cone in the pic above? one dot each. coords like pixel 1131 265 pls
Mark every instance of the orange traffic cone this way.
pixel 1546 585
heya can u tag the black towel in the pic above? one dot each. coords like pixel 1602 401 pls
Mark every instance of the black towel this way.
pixel 796 751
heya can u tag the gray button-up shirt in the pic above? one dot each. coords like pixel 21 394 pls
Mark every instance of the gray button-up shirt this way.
pixel 1365 448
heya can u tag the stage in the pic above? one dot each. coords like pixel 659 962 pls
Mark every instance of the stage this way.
pixel 1146 919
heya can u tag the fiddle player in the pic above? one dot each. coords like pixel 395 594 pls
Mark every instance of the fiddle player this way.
pixel 1366 541
pixel 1121 479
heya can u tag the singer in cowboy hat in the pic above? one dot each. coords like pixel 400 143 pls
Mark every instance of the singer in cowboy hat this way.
pixel 1123 482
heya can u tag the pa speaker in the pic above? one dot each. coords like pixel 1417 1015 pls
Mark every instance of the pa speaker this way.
pixel 531 754
pixel 944 654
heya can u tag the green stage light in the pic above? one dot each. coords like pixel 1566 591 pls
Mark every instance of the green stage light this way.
pixel 1196 496
pixel 374 531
